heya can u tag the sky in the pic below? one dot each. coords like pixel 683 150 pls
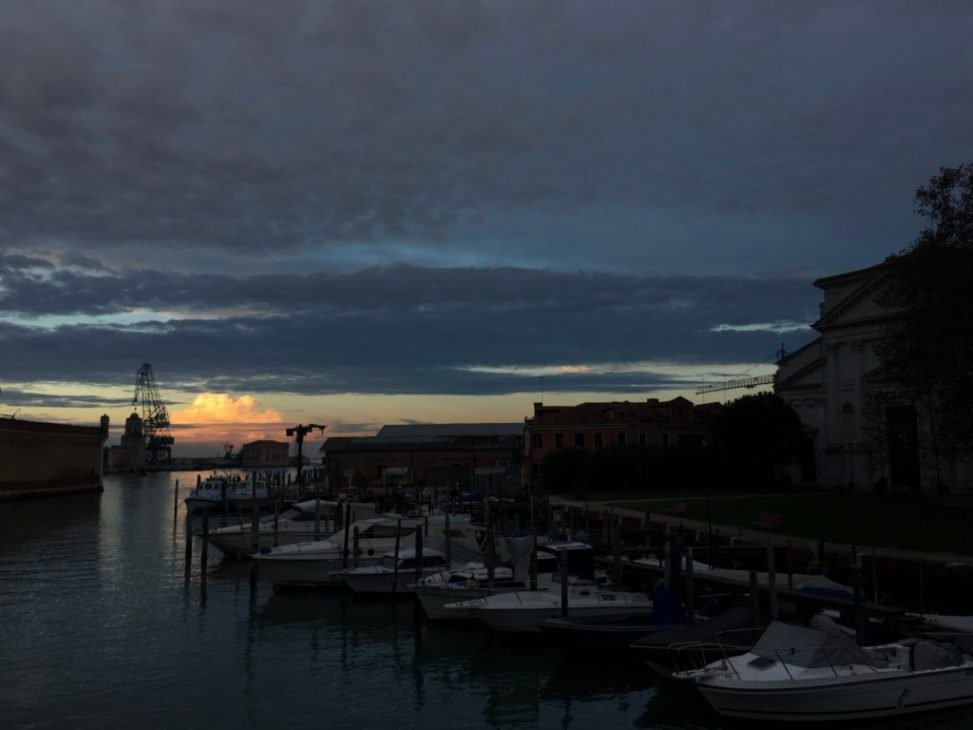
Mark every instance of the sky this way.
pixel 365 212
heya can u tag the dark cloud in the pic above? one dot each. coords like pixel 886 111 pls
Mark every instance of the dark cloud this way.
pixel 398 329
pixel 245 129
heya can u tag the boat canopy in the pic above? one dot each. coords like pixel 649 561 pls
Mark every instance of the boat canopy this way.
pixel 801 647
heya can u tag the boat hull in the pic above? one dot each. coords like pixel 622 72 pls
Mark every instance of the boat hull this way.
pixel 434 600
pixel 306 572
pixel 881 695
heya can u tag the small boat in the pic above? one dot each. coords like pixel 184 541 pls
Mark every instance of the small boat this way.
pixel 472 581
pixel 795 674
pixel 317 563
pixel 728 633
pixel 210 493
pixel 296 524
pixel 521 611
pixel 244 494
pixel 394 573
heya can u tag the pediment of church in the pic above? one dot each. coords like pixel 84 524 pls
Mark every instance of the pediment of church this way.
pixel 852 305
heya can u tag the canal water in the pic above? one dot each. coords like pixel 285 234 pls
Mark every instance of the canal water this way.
pixel 99 629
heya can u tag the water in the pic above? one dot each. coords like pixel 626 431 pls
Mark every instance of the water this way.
pixel 98 629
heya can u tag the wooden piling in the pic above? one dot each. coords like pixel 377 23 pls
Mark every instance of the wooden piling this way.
pixel 790 572
pixel 418 560
pixel 447 542
pixel 772 581
pixel 344 551
pixel 616 542
pixel 533 561
pixel 755 598
pixel 175 511
pixel 563 565
pixel 355 550
pixel 276 523
pixel 317 518
pixel 922 587
pixel 395 568
pixel 189 545
pixel 856 583
pixel 491 557
pixel 204 552
pixel 874 562
pixel 667 564
pixel 690 589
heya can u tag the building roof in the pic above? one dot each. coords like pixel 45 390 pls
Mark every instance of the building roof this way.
pixel 265 442
pixel 426 430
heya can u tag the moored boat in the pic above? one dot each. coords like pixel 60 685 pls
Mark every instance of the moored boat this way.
pixel 394 573
pixel 794 674
pixel 210 493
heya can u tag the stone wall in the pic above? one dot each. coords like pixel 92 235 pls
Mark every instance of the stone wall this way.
pixel 48 458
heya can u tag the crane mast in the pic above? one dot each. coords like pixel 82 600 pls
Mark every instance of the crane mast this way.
pixel 155 417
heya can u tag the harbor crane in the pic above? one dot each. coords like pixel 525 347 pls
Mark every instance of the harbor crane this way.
pixel 155 417
pixel 743 381
pixel 299 432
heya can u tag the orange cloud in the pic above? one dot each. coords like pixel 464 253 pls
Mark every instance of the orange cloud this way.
pixel 222 417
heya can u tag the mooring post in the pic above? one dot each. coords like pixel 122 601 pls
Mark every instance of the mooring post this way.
pixel 922 587
pixel 648 529
pixel 667 564
pixel 175 511
pixel 344 550
pixel 755 598
pixel 563 565
pixel 856 583
pixel 821 556
pixel 395 568
pixel 587 520
pixel 874 575
pixel 204 552
pixel 690 589
pixel 616 539
pixel 491 557
pixel 355 551
pixel 254 517
pixel 446 542
pixel 317 518
pixel 189 544
pixel 418 560
pixel 276 522
pixel 772 581
pixel 790 572
pixel 533 560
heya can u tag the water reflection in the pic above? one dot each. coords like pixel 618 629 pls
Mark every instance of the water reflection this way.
pixel 101 630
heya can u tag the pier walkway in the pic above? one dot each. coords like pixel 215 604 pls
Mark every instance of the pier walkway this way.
pixel 754 536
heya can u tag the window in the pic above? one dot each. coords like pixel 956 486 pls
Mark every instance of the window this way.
pixel 559 441
pixel 579 440
pixel 598 443
pixel 537 440
pixel 621 439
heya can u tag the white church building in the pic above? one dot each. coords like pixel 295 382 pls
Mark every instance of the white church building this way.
pixel 862 427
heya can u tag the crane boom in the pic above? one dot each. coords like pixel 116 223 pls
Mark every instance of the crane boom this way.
pixel 155 417
pixel 752 382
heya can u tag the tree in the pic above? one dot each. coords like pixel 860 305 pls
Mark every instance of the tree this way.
pixel 759 433
pixel 929 350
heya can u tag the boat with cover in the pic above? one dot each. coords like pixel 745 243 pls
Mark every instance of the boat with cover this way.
pixel 318 563
pixel 472 580
pixel 296 524
pixel 520 611
pixel 210 493
pixel 385 577
pixel 795 674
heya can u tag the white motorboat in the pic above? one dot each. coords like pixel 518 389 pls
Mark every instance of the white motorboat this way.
pixel 394 573
pixel 317 563
pixel 794 674
pixel 520 611
pixel 210 493
pixel 472 580
pixel 297 524
pixel 244 494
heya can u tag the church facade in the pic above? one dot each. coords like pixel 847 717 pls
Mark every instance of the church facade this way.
pixel 863 428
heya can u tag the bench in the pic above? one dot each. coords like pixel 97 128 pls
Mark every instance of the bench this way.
pixel 768 521
pixel 679 508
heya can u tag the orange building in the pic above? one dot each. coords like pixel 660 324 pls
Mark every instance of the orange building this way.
pixel 265 453
pixel 592 426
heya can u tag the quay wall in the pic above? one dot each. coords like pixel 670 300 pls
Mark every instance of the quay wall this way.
pixel 42 459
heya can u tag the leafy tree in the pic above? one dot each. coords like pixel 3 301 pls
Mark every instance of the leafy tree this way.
pixel 565 470
pixel 758 434
pixel 930 350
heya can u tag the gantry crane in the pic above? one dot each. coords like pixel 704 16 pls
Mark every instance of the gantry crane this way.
pixel 155 417
pixel 743 381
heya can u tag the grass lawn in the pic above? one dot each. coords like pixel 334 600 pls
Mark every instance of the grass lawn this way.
pixel 861 519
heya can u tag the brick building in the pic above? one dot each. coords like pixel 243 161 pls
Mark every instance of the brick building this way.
pixel 38 458
pixel 265 453
pixel 592 426
pixel 445 456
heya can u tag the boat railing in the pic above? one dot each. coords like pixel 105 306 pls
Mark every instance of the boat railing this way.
pixel 694 655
